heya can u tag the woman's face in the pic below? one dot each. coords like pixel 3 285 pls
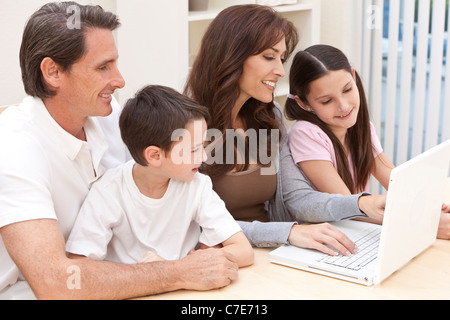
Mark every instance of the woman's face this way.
pixel 261 73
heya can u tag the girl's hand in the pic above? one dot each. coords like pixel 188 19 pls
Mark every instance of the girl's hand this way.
pixel 373 206
pixel 444 223
pixel 318 236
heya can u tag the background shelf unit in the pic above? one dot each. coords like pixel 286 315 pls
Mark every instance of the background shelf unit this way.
pixel 168 43
pixel 305 15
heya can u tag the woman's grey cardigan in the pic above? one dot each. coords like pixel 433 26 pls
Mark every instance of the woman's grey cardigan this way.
pixel 295 200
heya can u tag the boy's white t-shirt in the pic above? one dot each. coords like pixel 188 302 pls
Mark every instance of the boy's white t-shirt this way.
pixel 117 223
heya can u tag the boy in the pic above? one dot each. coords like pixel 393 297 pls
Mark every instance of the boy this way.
pixel 157 203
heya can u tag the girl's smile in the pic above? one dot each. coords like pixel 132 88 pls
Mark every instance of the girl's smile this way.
pixel 345 116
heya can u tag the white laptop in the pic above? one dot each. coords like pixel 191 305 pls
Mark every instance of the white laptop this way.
pixel 413 207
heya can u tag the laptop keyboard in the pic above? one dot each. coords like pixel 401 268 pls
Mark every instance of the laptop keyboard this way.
pixel 367 244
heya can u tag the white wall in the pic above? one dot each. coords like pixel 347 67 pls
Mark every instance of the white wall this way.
pixel 147 27
pixel 13 17
pixel 341 24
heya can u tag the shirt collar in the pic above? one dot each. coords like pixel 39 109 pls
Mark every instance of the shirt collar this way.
pixel 70 145
pixel 96 141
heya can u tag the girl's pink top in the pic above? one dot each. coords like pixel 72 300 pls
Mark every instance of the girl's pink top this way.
pixel 308 142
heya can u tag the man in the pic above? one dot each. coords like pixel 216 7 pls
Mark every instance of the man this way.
pixel 53 146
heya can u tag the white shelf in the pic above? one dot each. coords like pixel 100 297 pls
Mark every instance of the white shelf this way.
pixel 141 63
pixel 305 16
pixel 211 14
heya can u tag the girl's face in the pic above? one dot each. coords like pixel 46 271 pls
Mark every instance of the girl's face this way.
pixel 334 98
pixel 261 73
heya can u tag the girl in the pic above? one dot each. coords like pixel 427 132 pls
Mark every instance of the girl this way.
pixel 235 74
pixel 333 141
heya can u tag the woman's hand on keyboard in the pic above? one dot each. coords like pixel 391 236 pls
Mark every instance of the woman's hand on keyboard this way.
pixel 321 237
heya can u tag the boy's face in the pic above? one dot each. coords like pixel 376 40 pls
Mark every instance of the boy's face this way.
pixel 187 153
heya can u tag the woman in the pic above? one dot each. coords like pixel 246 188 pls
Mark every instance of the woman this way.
pixel 235 74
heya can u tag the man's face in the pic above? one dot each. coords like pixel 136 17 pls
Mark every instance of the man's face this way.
pixel 87 87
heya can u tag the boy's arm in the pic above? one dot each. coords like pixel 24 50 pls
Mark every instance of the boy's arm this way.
pixel 240 248
pixel 218 224
pixel 93 228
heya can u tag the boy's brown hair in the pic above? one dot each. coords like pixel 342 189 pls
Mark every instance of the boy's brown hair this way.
pixel 150 118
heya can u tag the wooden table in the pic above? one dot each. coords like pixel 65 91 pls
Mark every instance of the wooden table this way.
pixel 426 277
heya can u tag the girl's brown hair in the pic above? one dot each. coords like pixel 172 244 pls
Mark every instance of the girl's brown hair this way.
pixel 237 33
pixel 309 65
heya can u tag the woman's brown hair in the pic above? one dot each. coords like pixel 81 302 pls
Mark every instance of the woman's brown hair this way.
pixel 237 33
pixel 309 65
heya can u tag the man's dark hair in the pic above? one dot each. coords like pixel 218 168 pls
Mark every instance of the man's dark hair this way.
pixel 150 118
pixel 57 30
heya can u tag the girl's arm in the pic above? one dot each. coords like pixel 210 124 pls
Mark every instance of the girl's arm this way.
pixel 324 176
pixel 382 169
pixel 326 179
pixel 300 201
pixel 239 246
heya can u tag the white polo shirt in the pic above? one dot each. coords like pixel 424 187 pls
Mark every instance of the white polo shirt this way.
pixel 46 173
pixel 120 224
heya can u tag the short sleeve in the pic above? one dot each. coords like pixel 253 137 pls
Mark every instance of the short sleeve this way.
pixel 308 142
pixel 25 175
pixel 376 144
pixel 213 217
pixel 92 230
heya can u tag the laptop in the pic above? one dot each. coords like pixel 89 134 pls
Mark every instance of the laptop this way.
pixel 410 224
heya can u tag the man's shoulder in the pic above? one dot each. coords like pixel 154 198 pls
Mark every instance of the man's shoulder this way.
pixel 19 137
pixel 15 119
